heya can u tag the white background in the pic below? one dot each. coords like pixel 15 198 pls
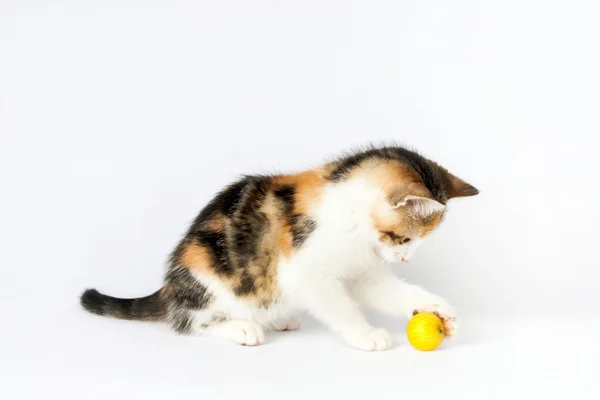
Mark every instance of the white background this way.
pixel 120 119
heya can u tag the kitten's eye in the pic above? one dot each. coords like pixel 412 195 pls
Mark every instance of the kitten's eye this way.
pixel 396 239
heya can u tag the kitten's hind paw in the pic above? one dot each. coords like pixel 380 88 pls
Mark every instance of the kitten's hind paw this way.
pixel 290 324
pixel 246 333
pixel 375 340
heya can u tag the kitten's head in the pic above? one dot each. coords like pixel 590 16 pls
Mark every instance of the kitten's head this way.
pixel 411 206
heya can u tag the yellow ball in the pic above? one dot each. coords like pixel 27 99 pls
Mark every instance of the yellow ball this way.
pixel 425 331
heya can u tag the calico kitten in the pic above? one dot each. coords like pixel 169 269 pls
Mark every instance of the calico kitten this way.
pixel 268 247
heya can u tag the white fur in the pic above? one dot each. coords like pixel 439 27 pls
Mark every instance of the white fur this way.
pixel 341 267
pixel 244 332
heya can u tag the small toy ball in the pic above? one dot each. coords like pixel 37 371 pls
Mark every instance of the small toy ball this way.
pixel 425 331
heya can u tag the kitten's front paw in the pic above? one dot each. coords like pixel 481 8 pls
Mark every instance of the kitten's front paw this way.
pixel 375 340
pixel 442 309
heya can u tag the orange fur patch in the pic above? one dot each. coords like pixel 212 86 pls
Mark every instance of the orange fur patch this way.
pixel 308 186
pixel 285 240
pixel 197 258
pixel 215 224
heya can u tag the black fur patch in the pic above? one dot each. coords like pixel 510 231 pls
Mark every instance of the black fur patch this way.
pixel 217 243
pixel 149 308
pixel 184 290
pixel 230 196
pixel 246 285
pixel 247 233
pixel 286 195
pixel 181 321
pixel 302 227
pixel 248 223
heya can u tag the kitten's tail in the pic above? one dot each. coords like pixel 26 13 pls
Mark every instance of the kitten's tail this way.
pixel 149 308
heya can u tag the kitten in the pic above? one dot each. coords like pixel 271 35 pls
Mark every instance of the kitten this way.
pixel 268 247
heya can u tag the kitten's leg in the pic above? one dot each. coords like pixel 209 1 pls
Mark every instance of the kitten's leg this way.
pixel 246 333
pixel 328 300
pixel 289 324
pixel 204 322
pixel 384 292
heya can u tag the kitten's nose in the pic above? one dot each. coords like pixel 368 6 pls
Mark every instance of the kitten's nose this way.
pixel 405 259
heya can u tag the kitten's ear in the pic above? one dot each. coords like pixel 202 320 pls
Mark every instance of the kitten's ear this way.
pixel 456 187
pixel 460 188
pixel 419 205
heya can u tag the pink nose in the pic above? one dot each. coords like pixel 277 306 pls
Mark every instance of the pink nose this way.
pixel 405 259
